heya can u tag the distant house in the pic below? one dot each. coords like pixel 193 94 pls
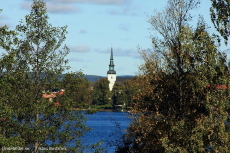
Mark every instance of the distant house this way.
pixel 52 95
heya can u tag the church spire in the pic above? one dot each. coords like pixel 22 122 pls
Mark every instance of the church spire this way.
pixel 111 74
pixel 111 65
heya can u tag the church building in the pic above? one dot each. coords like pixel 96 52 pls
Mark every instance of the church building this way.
pixel 111 74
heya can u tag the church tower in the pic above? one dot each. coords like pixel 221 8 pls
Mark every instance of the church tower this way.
pixel 111 74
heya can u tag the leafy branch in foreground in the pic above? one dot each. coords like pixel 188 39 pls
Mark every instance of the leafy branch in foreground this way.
pixel 220 16
pixel 183 101
pixel 35 61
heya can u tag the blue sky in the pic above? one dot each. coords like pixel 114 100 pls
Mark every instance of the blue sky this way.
pixel 94 26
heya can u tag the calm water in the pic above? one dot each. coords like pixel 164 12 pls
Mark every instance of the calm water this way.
pixel 106 126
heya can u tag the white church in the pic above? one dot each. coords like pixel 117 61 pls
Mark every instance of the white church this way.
pixel 111 74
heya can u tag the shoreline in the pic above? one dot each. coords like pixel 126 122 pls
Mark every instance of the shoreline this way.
pixel 103 110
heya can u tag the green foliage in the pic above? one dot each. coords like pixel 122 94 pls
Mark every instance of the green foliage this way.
pixel 91 110
pixel 79 89
pixel 118 91
pixel 7 37
pixel 183 102
pixel 131 87
pixel 107 106
pixel 34 61
pixel 220 16
pixel 101 92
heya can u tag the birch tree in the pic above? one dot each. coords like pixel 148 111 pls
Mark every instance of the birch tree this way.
pixel 34 62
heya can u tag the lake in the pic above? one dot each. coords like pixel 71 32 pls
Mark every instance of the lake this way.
pixel 106 126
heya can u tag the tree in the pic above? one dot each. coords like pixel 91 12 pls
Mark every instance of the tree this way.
pixel 79 89
pixel 131 88
pixel 118 96
pixel 101 92
pixel 6 40
pixel 6 37
pixel 180 106
pixel 220 16
pixel 35 61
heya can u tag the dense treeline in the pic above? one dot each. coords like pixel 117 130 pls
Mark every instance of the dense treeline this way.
pixel 121 93
pixel 183 103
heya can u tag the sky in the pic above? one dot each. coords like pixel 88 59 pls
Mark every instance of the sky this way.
pixel 96 26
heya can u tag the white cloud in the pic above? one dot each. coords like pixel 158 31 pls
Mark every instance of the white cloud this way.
pixel 6 24
pixel 104 2
pixel 127 52
pixel 128 10
pixel 75 59
pixel 61 8
pixel 80 49
pixel 67 6
pixel 54 7
pixel 81 60
pixel 26 5
pixel 120 52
